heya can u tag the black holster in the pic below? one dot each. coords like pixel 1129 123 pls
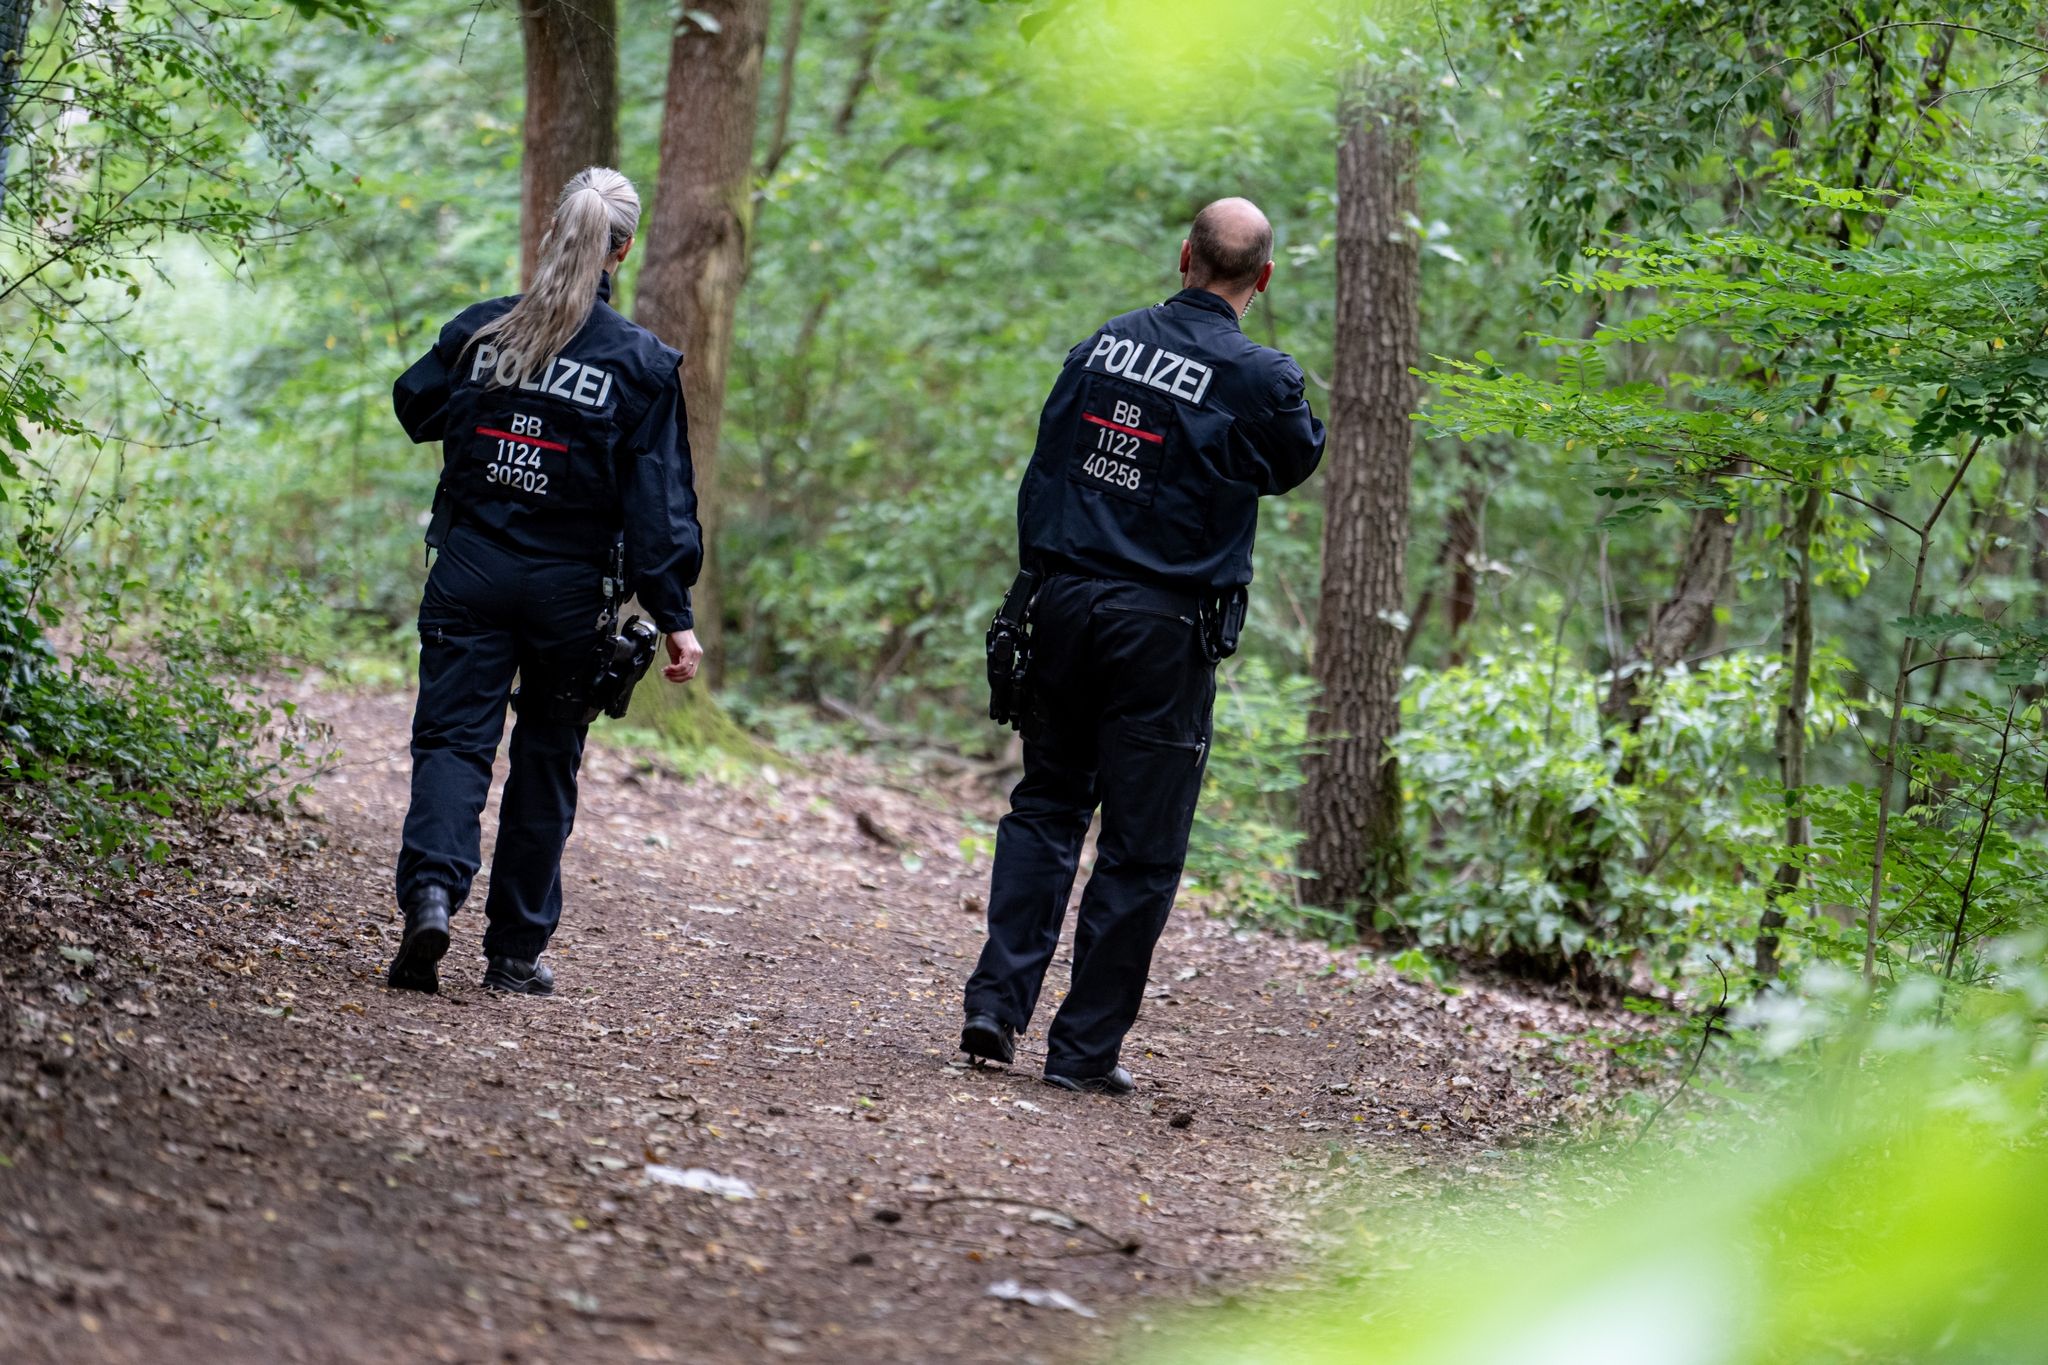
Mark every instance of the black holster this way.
pixel 440 519
pixel 600 683
pixel 1009 651
pixel 1223 623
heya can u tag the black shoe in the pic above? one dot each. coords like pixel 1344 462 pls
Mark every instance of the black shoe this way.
pixel 1117 1082
pixel 989 1038
pixel 424 944
pixel 518 976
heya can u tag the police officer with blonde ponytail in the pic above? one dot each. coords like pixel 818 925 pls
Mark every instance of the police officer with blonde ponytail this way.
pixel 565 486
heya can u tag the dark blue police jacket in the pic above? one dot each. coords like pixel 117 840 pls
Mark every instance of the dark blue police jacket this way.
pixel 559 464
pixel 1162 433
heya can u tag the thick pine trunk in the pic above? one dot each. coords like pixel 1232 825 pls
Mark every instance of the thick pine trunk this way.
pixel 1351 807
pixel 696 258
pixel 572 106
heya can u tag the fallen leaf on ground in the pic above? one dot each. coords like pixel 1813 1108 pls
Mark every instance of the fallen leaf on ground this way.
pixel 1038 1298
pixel 703 1181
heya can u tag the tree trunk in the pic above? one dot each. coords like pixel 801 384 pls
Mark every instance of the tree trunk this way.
pixel 14 17
pixel 1677 628
pixel 1456 560
pixel 1462 544
pixel 1798 651
pixel 697 242
pixel 1350 805
pixel 572 106
pixel 785 87
pixel 1681 623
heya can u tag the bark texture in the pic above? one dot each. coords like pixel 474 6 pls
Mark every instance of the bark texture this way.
pixel 572 106
pixel 1681 623
pixel 1455 570
pixel 696 259
pixel 1351 809
pixel 14 16
pixel 785 87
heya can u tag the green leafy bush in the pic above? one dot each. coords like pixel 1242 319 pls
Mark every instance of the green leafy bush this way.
pixel 1241 857
pixel 1965 862
pixel 139 717
pixel 1527 846
pixel 1876 1197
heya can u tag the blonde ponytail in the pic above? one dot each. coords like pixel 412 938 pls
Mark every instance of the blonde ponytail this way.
pixel 596 214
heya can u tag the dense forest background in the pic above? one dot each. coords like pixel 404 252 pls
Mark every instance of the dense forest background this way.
pixel 1718 305
pixel 1686 645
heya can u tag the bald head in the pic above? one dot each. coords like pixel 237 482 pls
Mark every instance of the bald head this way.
pixel 1228 248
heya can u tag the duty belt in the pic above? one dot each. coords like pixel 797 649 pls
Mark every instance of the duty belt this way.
pixel 1219 615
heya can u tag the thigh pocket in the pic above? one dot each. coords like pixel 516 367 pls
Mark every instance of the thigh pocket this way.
pixel 445 616
pixel 1156 775
pixel 440 630
pixel 445 630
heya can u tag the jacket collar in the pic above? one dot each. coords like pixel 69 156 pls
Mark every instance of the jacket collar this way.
pixel 1202 298
pixel 604 287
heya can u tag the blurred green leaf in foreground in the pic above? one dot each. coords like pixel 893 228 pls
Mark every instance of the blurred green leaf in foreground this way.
pixel 1888 1203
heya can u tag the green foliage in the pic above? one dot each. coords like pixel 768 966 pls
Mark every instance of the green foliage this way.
pixel 1878 1202
pixel 1242 855
pixel 1515 809
pixel 1916 352
pixel 134 721
pixel 1892 369
pixel 1674 116
pixel 124 666
pixel 1965 858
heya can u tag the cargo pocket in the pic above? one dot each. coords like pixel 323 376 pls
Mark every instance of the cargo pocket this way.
pixel 441 631
pixel 1158 776
pixel 445 628
pixel 437 650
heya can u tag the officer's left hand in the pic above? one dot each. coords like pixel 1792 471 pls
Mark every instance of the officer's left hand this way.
pixel 684 654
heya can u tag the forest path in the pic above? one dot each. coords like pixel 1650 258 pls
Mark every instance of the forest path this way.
pixel 222 1138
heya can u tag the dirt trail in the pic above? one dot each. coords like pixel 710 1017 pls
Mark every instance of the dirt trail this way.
pixel 221 1138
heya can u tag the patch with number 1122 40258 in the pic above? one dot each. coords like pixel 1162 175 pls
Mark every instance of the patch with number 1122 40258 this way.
pixel 1114 451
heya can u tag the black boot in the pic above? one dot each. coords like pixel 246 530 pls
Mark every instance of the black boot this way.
pixel 424 944
pixel 1116 1082
pixel 989 1038
pixel 518 976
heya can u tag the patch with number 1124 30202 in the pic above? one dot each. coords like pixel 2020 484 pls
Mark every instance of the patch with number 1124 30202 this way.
pixel 1116 449
pixel 520 459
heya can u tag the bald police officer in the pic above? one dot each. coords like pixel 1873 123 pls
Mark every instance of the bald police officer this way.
pixel 1136 520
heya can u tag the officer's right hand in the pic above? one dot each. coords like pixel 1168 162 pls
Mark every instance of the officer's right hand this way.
pixel 684 654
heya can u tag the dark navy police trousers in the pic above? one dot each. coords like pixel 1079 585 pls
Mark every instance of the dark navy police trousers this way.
pixel 491 613
pixel 1118 718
